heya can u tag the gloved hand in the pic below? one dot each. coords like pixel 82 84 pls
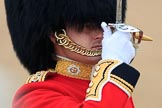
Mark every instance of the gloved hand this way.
pixel 117 46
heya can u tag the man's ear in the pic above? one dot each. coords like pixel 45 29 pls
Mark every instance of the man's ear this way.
pixel 53 38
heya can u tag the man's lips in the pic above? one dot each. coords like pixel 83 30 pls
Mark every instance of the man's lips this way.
pixel 97 47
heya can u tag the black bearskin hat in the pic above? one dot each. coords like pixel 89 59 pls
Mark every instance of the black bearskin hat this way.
pixel 31 22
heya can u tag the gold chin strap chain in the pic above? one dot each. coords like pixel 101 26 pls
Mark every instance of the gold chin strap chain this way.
pixel 63 40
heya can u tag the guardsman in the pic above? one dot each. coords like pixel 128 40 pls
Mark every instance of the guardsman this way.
pixel 74 59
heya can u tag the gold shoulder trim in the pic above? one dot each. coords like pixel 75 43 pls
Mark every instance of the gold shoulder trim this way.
pixel 39 76
pixel 100 78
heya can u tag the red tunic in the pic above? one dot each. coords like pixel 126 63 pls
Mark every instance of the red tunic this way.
pixel 58 91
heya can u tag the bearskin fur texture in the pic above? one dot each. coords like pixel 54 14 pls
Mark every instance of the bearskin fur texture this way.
pixel 31 22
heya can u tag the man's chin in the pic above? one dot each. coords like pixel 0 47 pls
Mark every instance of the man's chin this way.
pixel 94 60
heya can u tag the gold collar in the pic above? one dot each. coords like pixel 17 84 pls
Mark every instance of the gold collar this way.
pixel 73 69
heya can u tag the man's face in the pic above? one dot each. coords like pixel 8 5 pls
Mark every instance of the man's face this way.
pixel 88 38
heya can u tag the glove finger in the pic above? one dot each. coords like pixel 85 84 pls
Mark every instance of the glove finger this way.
pixel 107 31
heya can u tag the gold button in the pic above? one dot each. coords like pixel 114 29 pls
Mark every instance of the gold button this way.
pixel 91 84
pixel 35 78
pixel 95 74
pixel 88 90
pixel 97 68
pixel 38 73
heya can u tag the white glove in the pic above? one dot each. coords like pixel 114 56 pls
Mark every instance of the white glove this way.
pixel 117 46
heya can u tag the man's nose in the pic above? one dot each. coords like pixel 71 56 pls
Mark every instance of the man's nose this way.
pixel 98 34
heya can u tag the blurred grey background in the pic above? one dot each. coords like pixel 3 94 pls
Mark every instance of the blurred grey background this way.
pixel 144 14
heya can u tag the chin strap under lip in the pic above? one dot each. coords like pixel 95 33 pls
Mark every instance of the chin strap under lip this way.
pixel 63 40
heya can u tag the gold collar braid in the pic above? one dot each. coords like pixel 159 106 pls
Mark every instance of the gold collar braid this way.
pixel 73 69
